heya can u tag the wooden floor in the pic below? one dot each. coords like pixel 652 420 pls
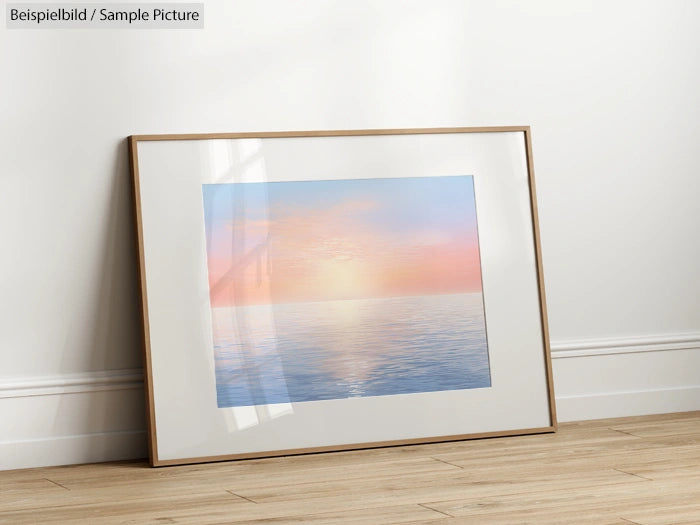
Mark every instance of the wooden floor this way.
pixel 643 471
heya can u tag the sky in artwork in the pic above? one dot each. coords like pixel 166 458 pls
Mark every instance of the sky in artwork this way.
pixel 282 242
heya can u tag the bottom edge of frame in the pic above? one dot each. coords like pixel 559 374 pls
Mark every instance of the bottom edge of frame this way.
pixel 156 462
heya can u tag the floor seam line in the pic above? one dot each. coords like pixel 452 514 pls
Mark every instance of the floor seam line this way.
pixel 632 474
pixel 242 497
pixel 435 510
pixel 57 484
pixel 446 462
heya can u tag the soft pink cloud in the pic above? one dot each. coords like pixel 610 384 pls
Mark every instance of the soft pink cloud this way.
pixel 331 253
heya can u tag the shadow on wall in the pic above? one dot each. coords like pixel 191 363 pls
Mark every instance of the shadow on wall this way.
pixel 110 411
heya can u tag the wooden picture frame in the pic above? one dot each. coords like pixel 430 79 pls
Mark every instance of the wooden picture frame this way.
pixel 334 290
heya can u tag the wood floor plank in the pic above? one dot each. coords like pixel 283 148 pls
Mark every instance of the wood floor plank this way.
pixel 641 470
pixel 216 510
pixel 422 490
pixel 375 516
pixel 681 426
pixel 199 509
pixel 644 456
pixel 28 491
pixel 669 512
pixel 588 424
pixel 636 503
pixel 244 474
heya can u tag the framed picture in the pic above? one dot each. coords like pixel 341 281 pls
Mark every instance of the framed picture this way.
pixel 331 290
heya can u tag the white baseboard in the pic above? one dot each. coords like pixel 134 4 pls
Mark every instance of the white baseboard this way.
pixel 100 416
pixel 72 383
pixel 624 404
pixel 625 345
pixel 72 418
pixel 632 376
pixel 71 450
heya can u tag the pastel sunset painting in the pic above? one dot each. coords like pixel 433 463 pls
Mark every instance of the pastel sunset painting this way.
pixel 337 289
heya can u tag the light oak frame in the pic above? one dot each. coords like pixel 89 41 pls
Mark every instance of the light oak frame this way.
pixel 133 141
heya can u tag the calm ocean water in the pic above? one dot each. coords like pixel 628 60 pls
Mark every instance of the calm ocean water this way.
pixel 355 348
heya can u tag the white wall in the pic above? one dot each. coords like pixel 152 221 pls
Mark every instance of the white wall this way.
pixel 611 89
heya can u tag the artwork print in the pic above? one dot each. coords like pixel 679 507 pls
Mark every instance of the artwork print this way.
pixel 336 289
